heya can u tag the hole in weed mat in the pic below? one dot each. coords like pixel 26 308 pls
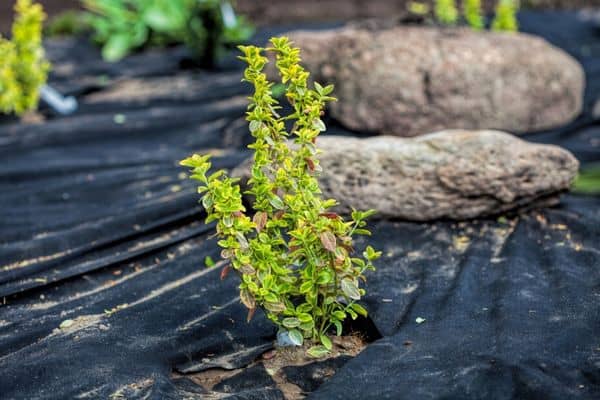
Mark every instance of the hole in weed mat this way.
pixel 285 372
pixel 363 327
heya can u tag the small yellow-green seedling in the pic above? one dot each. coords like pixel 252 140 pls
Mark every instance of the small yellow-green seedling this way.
pixel 473 14
pixel 23 67
pixel 446 12
pixel 506 16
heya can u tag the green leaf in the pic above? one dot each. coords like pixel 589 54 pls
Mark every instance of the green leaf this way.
pixel 327 90
pixel 296 337
pixel 370 254
pixel 278 90
pixel 350 289
pixel 271 297
pixel 254 125
pixel 227 221
pixel 352 314
pixel 339 314
pixel 277 203
pixel 117 47
pixel 319 125
pixel 207 201
pixel 317 351
pixel 305 317
pixel 275 307
pixel 164 16
pixel 324 277
pixel 209 262
pixel 338 328
pixel 291 322
pixel 326 342
pixel 306 287
pixel 318 87
pixel 307 326
pixel 304 308
pixel 359 309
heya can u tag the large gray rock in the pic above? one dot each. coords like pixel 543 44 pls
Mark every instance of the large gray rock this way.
pixel 407 80
pixel 450 174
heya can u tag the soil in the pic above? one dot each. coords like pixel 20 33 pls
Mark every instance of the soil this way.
pixel 276 361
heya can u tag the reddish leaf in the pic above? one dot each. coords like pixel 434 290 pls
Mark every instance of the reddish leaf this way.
pixel 247 298
pixel 279 214
pixel 250 314
pixel 260 219
pixel 348 248
pixel 247 270
pixel 328 241
pixel 310 163
pixel 238 214
pixel 330 215
pixel 225 271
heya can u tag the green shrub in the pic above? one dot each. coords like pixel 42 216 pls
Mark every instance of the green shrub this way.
pixel 446 12
pixel 418 8
pixel 67 23
pixel 588 180
pixel 295 257
pixel 506 16
pixel 473 14
pixel 122 26
pixel 23 67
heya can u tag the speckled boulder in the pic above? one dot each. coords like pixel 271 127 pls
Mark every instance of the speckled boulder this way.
pixel 407 80
pixel 450 174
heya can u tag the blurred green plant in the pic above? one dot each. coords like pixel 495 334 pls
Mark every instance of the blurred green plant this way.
pixel 23 66
pixel 505 18
pixel 67 23
pixel 446 12
pixel 204 26
pixel 418 8
pixel 295 256
pixel 473 14
pixel 588 180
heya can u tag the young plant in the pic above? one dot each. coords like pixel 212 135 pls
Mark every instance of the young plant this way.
pixel 506 16
pixel 473 14
pixel 122 26
pixel 23 67
pixel 67 23
pixel 446 12
pixel 295 257
pixel 418 8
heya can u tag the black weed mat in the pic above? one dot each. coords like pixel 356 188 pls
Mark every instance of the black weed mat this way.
pixel 104 293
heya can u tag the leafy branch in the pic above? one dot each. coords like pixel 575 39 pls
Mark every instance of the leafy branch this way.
pixel 296 258
pixel 23 67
